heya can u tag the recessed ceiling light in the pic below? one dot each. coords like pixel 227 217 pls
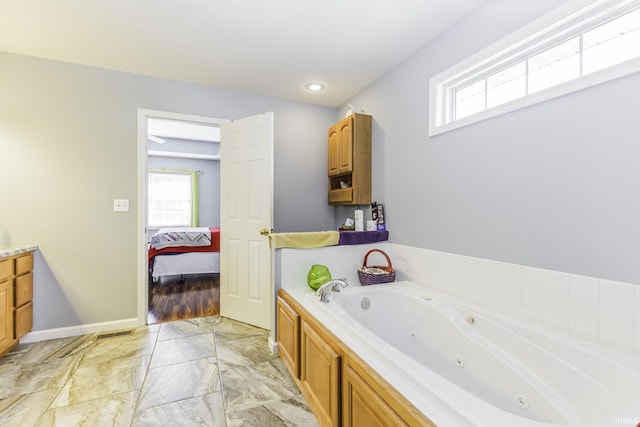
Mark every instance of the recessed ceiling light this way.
pixel 314 86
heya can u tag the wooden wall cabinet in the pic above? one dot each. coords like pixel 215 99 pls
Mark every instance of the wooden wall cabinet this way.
pixel 339 387
pixel 16 295
pixel 349 161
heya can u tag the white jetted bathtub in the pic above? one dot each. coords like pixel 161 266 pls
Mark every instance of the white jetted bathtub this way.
pixel 464 366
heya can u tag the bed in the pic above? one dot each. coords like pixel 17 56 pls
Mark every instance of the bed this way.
pixel 184 250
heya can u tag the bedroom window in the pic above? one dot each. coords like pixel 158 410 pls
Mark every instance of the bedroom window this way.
pixel 578 45
pixel 173 198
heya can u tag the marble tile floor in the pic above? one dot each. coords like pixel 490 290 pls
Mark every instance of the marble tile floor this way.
pixel 208 371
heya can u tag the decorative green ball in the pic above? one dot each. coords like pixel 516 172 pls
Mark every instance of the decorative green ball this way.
pixel 318 276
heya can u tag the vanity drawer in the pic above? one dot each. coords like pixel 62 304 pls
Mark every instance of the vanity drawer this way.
pixel 6 268
pixel 341 195
pixel 24 320
pixel 24 289
pixel 24 264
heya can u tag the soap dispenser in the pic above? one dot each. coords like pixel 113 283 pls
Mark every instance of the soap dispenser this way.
pixel 359 219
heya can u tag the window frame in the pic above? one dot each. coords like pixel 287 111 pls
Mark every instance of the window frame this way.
pixel 193 190
pixel 569 20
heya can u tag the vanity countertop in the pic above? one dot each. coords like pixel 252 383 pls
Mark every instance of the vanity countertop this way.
pixel 7 251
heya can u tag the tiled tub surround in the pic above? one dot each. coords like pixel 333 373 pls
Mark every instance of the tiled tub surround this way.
pixel 598 311
pixel 200 372
pixel 342 261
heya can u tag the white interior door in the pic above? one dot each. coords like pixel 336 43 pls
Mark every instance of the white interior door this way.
pixel 246 208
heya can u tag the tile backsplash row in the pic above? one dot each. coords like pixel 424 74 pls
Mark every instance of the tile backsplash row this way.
pixel 342 261
pixel 599 311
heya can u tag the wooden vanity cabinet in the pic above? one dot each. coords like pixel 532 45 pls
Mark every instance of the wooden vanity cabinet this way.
pixel 6 316
pixel 338 386
pixel 349 161
pixel 16 295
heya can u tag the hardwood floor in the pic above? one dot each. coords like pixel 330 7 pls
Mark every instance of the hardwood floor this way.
pixel 170 298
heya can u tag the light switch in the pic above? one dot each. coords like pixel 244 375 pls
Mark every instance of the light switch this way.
pixel 120 205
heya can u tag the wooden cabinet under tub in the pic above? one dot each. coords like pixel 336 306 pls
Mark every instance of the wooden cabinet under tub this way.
pixel 16 295
pixel 320 375
pixel 288 337
pixel 363 406
pixel 340 388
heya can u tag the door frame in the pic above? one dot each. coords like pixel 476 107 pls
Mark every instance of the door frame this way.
pixel 143 273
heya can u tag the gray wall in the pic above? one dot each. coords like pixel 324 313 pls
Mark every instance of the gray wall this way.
pixel 550 186
pixel 68 147
pixel 553 186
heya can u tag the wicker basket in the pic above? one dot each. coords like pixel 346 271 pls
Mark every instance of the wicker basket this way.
pixel 374 279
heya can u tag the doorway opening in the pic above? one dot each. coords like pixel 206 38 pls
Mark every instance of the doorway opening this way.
pixel 179 197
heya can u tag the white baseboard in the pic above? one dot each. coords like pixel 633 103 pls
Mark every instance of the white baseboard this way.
pixel 72 331
pixel 273 346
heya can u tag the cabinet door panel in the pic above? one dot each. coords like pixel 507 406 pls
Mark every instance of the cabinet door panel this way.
pixel 320 376
pixel 288 332
pixel 334 152
pixel 346 146
pixel 6 315
pixel 362 406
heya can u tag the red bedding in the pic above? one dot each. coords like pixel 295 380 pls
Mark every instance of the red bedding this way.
pixel 213 247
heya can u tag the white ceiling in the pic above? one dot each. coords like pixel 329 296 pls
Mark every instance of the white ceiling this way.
pixel 265 47
pixel 176 129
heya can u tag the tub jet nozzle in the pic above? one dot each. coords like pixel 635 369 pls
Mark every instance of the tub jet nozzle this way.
pixel 523 402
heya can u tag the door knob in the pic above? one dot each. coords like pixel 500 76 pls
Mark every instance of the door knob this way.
pixel 264 232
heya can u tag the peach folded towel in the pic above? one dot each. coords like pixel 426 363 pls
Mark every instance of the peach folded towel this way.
pixel 309 239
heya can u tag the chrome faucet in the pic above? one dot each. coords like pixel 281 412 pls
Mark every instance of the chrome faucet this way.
pixel 331 286
pixel 337 283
